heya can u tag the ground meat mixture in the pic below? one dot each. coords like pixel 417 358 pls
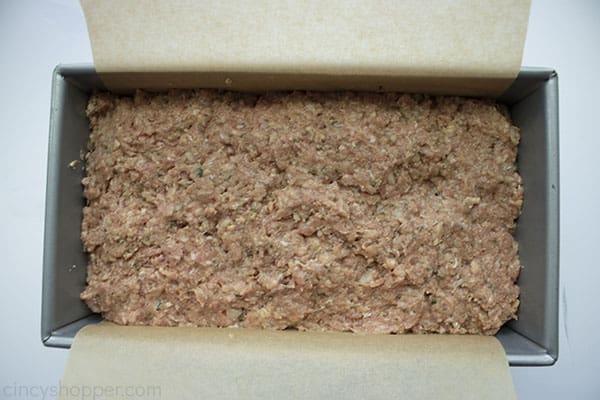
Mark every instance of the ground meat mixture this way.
pixel 362 212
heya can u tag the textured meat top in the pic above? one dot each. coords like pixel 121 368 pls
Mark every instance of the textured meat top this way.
pixel 354 212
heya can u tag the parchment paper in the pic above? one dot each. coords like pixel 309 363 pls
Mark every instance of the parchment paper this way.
pixel 456 47
pixel 197 363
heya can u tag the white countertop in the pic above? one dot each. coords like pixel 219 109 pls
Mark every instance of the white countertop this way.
pixel 35 36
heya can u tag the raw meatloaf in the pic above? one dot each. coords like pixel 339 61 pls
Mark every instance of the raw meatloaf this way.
pixel 362 212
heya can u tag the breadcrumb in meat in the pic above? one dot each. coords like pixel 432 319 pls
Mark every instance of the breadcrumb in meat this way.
pixel 342 211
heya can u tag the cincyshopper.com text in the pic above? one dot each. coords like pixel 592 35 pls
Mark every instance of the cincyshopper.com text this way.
pixel 84 392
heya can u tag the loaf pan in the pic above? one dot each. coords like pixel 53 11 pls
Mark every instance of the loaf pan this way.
pixel 533 103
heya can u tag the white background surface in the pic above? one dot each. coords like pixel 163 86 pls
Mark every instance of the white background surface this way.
pixel 35 36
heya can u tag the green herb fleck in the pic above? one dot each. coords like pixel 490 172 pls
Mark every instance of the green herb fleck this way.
pixel 199 171
pixel 433 301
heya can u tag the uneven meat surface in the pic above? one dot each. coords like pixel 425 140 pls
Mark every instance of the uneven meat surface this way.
pixel 363 212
